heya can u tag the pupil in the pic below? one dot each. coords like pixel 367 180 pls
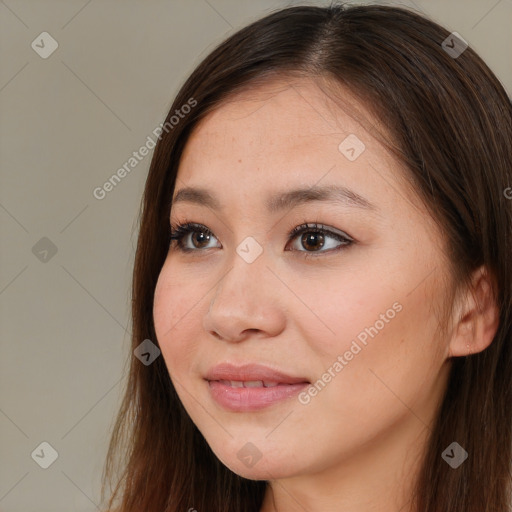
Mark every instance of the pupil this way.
pixel 307 238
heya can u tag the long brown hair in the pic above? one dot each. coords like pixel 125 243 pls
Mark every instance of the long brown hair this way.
pixel 450 122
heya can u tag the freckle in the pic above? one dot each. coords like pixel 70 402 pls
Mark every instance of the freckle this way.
pixel 239 160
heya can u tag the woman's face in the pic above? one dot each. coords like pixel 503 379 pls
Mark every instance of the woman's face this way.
pixel 355 319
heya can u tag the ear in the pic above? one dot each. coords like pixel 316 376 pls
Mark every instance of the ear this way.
pixel 477 317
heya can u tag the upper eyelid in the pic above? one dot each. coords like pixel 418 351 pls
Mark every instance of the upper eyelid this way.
pixel 190 226
pixel 315 226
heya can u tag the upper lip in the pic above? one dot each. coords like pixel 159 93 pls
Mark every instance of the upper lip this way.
pixel 251 372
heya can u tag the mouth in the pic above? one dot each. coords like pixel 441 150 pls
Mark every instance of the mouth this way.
pixel 251 375
pixel 255 383
pixel 251 387
pixel 250 396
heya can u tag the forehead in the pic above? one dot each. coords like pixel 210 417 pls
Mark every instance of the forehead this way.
pixel 295 115
pixel 283 134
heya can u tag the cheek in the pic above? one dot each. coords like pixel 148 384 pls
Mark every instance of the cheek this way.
pixel 175 318
pixel 389 356
pixel 375 322
pixel 351 308
pixel 382 302
pixel 165 314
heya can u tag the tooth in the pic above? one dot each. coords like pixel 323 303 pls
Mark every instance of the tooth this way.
pixel 253 384
pixel 236 384
pixel 269 384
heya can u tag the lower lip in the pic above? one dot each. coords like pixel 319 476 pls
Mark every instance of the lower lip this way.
pixel 252 399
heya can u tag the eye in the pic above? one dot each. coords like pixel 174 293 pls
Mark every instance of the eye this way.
pixel 316 237
pixel 313 237
pixel 201 236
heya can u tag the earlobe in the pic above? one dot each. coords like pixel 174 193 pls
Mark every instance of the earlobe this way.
pixel 477 318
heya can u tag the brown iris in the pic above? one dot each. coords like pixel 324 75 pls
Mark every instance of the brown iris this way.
pixel 310 237
pixel 201 237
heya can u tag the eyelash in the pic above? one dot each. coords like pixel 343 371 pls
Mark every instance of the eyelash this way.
pixel 179 231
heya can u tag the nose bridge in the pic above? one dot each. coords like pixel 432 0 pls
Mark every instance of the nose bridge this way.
pixel 246 274
pixel 243 298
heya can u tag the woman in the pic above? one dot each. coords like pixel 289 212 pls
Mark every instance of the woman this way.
pixel 323 262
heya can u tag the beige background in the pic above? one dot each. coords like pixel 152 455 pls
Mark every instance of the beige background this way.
pixel 67 124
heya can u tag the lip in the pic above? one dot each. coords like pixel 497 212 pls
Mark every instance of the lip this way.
pixel 251 372
pixel 247 399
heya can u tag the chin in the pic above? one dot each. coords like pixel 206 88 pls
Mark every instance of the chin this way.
pixel 262 469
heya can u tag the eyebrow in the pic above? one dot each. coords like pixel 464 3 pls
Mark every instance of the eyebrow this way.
pixel 284 200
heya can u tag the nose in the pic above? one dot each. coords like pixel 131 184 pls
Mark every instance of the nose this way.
pixel 247 301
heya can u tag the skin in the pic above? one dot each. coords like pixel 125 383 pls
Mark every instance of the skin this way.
pixel 357 444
